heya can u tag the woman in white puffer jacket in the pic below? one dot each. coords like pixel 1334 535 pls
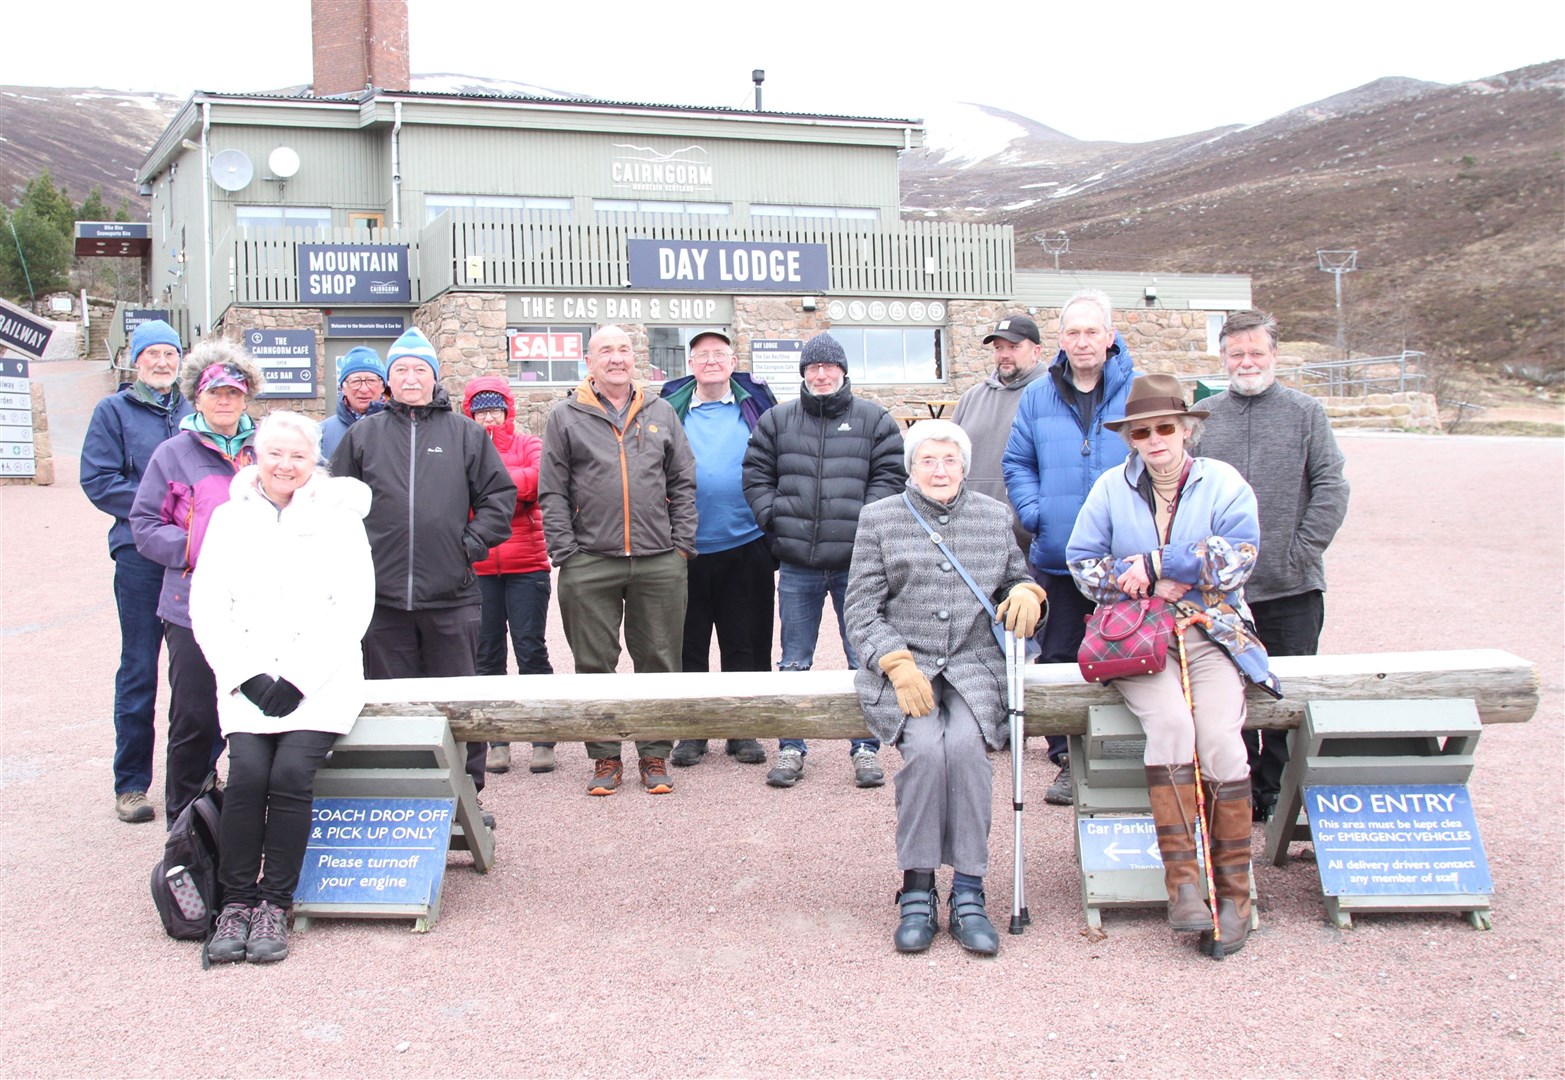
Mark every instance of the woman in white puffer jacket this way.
pixel 279 603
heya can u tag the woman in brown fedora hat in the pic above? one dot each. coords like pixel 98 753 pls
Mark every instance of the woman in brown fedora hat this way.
pixel 1184 529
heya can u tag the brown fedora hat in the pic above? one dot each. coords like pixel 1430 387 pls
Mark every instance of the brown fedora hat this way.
pixel 1154 395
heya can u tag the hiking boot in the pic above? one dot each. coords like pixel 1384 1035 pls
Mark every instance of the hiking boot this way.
pixel 970 923
pixel 654 776
pixel 688 752
pixel 233 930
pixel 866 768
pixel 499 758
pixel 543 758
pixel 789 768
pixel 268 934
pixel 606 773
pixel 748 751
pixel 133 806
pixel 1063 791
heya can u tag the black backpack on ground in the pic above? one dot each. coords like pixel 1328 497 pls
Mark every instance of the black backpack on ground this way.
pixel 184 880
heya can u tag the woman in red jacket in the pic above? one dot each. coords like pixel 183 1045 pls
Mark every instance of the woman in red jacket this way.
pixel 513 580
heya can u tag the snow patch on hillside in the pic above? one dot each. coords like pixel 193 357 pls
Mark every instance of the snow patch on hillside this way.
pixel 445 82
pixel 967 134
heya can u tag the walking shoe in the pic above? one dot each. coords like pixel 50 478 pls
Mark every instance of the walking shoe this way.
pixel 133 806
pixel 543 759
pixel 606 773
pixel 233 930
pixel 970 923
pixel 918 919
pixel 654 776
pixel 866 769
pixel 688 752
pixel 268 934
pixel 748 751
pixel 789 768
pixel 1063 791
pixel 485 816
pixel 499 758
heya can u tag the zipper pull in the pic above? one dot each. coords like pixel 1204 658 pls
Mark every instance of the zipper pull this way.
pixel 1086 447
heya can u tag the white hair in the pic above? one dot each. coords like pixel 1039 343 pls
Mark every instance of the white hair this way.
pixel 1098 299
pixel 280 422
pixel 936 431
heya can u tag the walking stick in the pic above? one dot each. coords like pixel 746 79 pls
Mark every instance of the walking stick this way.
pixel 1016 691
pixel 1204 842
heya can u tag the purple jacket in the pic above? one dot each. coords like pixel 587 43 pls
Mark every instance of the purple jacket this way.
pixel 185 481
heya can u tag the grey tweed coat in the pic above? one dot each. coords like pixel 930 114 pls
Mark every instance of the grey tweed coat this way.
pixel 902 594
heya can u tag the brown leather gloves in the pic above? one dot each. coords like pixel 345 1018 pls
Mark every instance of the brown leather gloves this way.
pixel 914 694
pixel 1021 610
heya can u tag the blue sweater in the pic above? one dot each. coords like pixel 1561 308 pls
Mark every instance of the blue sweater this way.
pixel 121 436
pixel 1052 459
pixel 718 437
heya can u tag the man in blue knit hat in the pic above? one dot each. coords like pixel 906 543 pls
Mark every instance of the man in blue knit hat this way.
pixel 361 388
pixel 442 497
pixel 125 428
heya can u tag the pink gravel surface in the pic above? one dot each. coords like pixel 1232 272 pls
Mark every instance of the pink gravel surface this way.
pixel 730 929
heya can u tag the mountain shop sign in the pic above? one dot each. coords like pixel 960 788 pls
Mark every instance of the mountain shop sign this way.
pixel 353 274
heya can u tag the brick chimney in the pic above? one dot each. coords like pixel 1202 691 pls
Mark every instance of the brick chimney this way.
pixel 359 42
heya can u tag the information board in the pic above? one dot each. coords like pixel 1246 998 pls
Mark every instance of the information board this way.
pixel 366 326
pixel 287 359
pixel 1397 840
pixel 134 317
pixel 777 361
pixel 17 453
pixel 23 332
pixel 375 851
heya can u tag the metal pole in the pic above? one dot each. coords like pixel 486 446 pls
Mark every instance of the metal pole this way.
pixel 1016 692
pixel 11 221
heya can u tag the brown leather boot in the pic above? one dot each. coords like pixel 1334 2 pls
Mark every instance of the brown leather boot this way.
pixel 1172 791
pixel 1228 810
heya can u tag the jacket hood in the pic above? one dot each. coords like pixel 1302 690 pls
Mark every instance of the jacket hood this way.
pixel 320 490
pixel 495 385
pixel 1018 385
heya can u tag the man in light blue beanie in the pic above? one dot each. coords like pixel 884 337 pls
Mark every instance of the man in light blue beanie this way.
pixel 361 385
pixel 413 344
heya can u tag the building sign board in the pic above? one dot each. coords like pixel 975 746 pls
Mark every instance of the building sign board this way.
pixel 113 239
pixel 366 326
pixel 353 274
pixel 24 332
pixel 728 266
pixel 598 308
pixel 134 317
pixel 686 171
pixel 873 310
pixel 531 346
pixel 364 852
pixel 777 361
pixel 287 359
pixel 1401 839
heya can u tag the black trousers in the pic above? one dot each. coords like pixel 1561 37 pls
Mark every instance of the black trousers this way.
pixel 434 643
pixel 1062 631
pixel 194 738
pixel 734 593
pixel 265 825
pixel 1287 626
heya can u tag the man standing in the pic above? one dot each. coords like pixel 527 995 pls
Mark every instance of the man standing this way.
pixel 732 577
pixel 441 499
pixel 1281 442
pixel 125 428
pixel 361 384
pixel 986 410
pixel 1057 448
pixel 812 465
pixel 617 488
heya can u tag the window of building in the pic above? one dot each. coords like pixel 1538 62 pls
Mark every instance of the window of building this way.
pixel 845 213
pixel 896 354
pixel 317 218
pixel 1214 329
pixel 667 349
pixel 548 354
pixel 658 206
pixel 435 205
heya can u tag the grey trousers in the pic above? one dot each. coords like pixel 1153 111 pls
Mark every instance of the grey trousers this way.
pixel 944 789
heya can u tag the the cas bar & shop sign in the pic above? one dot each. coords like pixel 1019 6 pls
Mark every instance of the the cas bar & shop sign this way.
pixel 353 274
pixel 728 266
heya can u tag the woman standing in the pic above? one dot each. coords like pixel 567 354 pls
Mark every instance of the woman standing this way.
pixel 280 602
pixel 933 677
pixel 513 579
pixel 185 481
pixel 1185 530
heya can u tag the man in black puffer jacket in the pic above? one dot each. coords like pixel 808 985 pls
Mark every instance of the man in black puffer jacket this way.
pixel 812 465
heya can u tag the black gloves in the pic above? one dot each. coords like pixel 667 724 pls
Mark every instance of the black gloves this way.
pixel 281 699
pixel 255 688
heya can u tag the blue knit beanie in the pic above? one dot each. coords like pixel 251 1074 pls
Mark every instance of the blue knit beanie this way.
pixel 822 349
pixel 153 332
pixel 358 360
pixel 413 343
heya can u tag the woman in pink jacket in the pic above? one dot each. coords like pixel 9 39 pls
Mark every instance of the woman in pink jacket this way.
pixel 513 579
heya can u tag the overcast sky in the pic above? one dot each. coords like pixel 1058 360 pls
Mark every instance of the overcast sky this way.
pixel 1128 72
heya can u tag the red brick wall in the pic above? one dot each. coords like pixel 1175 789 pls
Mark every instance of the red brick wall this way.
pixel 357 42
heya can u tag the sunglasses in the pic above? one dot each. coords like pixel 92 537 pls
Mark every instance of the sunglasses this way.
pixel 1165 429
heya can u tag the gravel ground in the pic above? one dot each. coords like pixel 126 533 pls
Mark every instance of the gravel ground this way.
pixel 735 930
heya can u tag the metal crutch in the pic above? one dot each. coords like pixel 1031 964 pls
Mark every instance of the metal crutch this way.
pixel 1015 691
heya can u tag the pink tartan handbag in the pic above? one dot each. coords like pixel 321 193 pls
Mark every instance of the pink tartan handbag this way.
pixel 1128 637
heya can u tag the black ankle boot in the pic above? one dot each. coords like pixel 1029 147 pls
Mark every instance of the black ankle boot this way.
pixel 970 923
pixel 920 911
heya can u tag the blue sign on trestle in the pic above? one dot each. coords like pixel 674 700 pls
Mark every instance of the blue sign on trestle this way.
pixel 1397 840
pixel 368 852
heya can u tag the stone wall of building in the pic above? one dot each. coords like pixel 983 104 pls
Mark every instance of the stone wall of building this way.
pixel 236 321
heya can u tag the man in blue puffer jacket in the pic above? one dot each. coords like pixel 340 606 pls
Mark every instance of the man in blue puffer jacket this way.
pixel 1057 449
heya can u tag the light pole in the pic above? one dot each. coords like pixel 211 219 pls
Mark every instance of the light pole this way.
pixel 1056 246
pixel 1337 263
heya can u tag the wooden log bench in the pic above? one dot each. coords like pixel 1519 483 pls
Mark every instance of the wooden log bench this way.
pixel 822 704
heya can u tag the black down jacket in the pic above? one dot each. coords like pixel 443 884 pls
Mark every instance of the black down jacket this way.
pixel 812 465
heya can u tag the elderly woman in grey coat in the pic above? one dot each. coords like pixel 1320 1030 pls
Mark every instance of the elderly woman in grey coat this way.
pixel 932 677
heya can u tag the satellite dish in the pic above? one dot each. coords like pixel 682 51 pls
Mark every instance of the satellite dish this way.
pixel 231 169
pixel 283 162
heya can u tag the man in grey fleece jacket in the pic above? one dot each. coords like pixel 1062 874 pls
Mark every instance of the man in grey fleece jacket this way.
pixel 986 409
pixel 1281 442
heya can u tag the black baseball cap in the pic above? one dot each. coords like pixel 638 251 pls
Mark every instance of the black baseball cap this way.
pixel 1016 328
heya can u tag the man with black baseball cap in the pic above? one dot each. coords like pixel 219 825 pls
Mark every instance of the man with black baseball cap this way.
pixel 987 408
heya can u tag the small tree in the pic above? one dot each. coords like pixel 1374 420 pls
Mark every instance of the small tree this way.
pixel 93 208
pixel 36 245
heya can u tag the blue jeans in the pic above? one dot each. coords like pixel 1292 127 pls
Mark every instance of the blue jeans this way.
pixel 137 583
pixel 801 598
pixel 520 602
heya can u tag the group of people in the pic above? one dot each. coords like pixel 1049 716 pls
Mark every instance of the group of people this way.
pixel 419 540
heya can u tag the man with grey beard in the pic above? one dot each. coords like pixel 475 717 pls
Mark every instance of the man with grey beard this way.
pixel 1281 442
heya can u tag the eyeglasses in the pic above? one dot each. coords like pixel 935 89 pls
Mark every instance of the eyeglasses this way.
pixel 1165 429
pixel 360 382
pixel 930 464
pixel 712 356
